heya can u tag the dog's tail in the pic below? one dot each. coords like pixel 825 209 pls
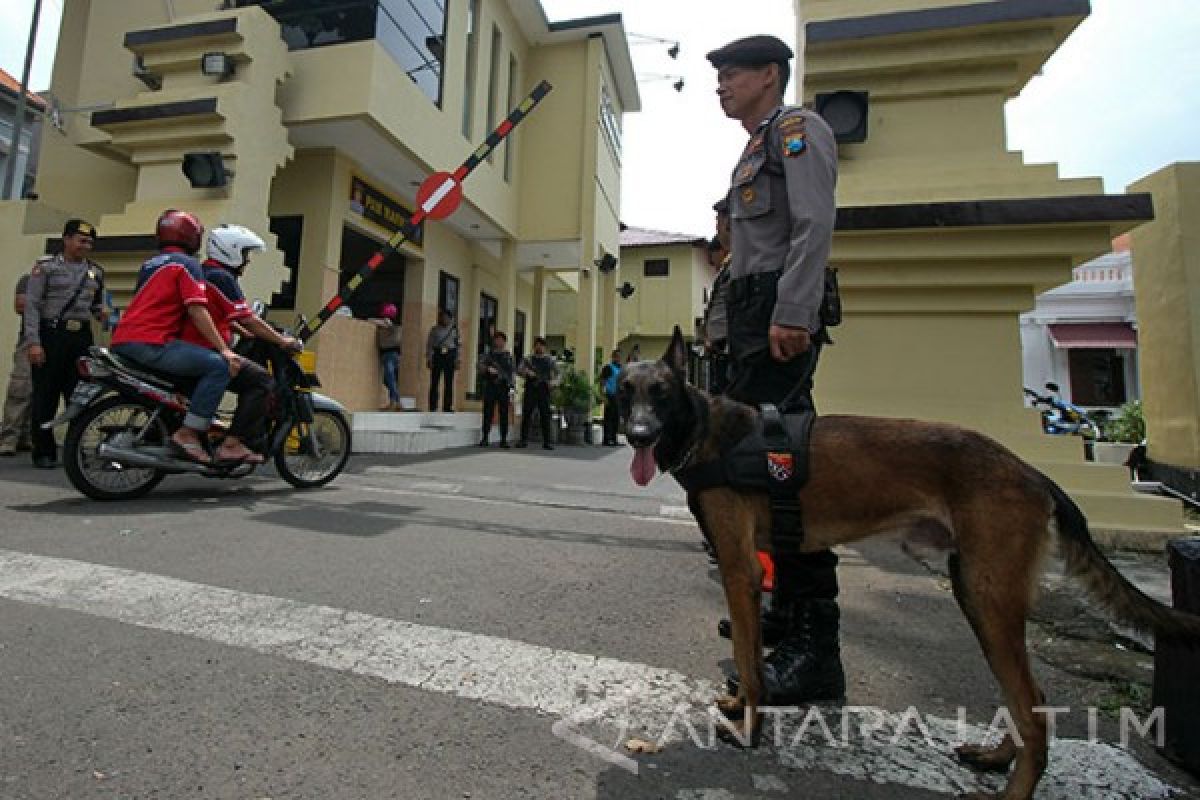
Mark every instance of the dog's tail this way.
pixel 1086 564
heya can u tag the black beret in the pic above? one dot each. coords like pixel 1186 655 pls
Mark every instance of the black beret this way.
pixel 753 51
pixel 79 226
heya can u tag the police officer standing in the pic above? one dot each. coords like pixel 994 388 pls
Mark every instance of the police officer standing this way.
pixel 716 320
pixel 65 292
pixel 14 428
pixel 782 209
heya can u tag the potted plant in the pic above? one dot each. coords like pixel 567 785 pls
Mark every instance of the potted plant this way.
pixel 1122 432
pixel 575 395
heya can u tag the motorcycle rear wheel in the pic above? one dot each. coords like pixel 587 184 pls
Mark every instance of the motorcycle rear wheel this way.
pixel 104 479
pixel 304 471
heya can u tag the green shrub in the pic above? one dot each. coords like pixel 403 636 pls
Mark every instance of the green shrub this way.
pixel 1128 425
pixel 575 391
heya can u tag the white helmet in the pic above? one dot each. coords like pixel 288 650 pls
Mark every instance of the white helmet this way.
pixel 232 245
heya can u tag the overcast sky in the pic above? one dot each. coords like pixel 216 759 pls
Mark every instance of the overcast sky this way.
pixel 1119 100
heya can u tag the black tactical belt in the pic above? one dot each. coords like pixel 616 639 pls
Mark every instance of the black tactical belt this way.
pixel 752 285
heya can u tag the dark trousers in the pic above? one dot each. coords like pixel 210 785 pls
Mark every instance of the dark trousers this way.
pixel 537 396
pixel 55 379
pixel 495 400
pixel 253 386
pixel 443 365
pixel 612 419
pixel 759 379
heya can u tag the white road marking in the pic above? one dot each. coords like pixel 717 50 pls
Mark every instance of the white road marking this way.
pixel 432 486
pixel 582 689
pixel 524 501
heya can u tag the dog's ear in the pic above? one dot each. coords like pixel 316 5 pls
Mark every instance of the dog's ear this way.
pixel 676 356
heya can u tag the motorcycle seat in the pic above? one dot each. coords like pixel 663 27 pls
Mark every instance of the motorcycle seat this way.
pixel 160 379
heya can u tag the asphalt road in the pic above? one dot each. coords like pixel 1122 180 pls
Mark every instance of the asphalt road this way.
pixel 472 624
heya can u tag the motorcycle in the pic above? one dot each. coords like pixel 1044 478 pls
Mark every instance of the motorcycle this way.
pixel 121 416
pixel 1060 417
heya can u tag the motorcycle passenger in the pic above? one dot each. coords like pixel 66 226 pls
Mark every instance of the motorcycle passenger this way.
pixel 170 290
pixel 229 248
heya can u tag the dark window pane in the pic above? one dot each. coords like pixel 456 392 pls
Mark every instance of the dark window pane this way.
pixel 656 267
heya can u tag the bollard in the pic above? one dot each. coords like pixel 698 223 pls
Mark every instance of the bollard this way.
pixel 1176 665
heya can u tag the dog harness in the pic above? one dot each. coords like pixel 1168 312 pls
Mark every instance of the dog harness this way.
pixel 772 458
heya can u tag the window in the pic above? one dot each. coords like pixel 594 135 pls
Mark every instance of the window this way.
pixel 489 313
pixel 656 267
pixel 518 335
pixel 468 119
pixel 448 293
pixel 289 231
pixel 413 32
pixel 1097 377
pixel 610 124
pixel 493 84
pixel 508 106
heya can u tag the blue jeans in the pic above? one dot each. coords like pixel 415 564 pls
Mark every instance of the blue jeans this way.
pixel 391 365
pixel 190 361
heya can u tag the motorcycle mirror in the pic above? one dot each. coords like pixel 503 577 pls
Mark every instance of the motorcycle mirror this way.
pixel 1052 386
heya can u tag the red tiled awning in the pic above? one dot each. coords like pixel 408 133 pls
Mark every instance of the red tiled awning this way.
pixel 1119 335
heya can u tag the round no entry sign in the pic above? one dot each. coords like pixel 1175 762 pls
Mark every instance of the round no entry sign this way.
pixel 439 195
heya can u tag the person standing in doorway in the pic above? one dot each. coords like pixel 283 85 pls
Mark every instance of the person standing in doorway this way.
pixel 442 350
pixel 610 374
pixel 65 293
pixel 14 429
pixel 498 372
pixel 387 341
pixel 782 210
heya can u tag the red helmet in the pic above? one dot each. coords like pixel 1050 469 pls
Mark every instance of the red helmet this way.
pixel 388 310
pixel 179 228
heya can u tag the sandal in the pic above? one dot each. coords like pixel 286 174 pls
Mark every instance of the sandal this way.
pixel 248 457
pixel 191 451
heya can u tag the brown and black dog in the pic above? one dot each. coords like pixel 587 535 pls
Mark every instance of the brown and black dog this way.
pixel 993 513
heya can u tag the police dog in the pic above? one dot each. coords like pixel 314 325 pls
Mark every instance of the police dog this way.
pixel 954 487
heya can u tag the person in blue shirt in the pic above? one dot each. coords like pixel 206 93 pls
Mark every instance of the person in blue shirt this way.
pixel 611 374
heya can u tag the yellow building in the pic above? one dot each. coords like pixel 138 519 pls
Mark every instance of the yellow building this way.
pixel 944 237
pixel 669 276
pixel 328 117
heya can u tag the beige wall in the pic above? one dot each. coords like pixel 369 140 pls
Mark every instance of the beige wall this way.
pixel 659 304
pixel 931 325
pixel 1167 293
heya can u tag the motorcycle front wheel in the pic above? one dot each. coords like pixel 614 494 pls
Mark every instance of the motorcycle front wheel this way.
pixel 117 421
pixel 302 468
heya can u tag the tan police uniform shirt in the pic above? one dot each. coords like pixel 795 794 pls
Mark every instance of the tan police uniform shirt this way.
pixel 782 209
pixel 52 283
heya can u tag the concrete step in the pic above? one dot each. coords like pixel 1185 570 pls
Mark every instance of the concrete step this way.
pixel 400 421
pixel 412 442
pixel 1086 475
pixel 1129 520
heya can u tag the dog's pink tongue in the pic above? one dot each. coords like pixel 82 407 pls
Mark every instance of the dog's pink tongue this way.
pixel 643 467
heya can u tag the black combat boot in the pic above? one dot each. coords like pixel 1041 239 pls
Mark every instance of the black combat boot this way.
pixel 806 666
pixel 774 626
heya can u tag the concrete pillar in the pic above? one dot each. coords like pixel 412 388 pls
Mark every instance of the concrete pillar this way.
pixel 537 314
pixel 1166 278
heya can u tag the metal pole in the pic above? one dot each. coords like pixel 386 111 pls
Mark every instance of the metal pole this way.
pixel 14 152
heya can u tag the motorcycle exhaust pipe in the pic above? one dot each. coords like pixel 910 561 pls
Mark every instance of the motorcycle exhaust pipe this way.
pixel 149 458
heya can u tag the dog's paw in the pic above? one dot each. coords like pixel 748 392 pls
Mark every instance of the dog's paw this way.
pixel 988 759
pixel 731 706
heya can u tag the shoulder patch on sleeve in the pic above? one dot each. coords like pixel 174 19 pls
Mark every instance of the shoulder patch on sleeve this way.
pixel 794 144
